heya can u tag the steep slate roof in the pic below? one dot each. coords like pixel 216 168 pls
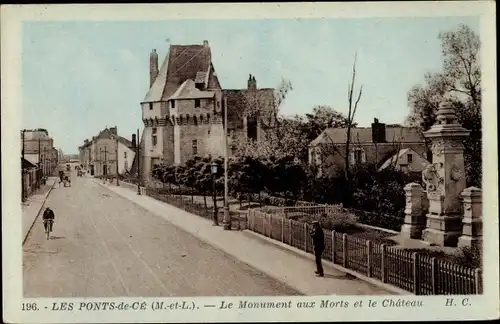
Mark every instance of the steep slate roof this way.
pixel 125 142
pixel 364 135
pixel 188 90
pixel 183 62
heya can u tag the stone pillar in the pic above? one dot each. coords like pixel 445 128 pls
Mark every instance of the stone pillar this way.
pixel 414 211
pixel 472 231
pixel 444 178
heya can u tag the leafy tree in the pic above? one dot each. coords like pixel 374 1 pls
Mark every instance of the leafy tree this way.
pixel 203 178
pixel 460 83
pixel 324 117
pixel 169 176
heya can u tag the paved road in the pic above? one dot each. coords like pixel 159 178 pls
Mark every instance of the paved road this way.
pixel 104 246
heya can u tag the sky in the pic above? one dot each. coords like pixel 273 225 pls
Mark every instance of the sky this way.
pixel 79 77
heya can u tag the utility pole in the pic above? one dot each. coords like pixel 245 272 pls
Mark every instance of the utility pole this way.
pixel 138 157
pixel 117 181
pixel 39 163
pixel 23 197
pixel 227 220
pixel 105 166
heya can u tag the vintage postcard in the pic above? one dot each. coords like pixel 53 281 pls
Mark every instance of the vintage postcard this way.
pixel 249 162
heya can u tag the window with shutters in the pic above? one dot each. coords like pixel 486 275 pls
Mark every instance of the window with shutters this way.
pixel 357 156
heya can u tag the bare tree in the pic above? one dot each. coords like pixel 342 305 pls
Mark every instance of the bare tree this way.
pixel 350 115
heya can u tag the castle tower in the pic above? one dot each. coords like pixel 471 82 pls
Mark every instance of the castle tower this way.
pixel 153 67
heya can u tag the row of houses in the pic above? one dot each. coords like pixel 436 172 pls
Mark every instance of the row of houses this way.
pixel 39 159
pixel 382 145
pixel 107 153
pixel 184 111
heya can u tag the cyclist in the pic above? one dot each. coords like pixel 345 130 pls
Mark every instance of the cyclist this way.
pixel 48 214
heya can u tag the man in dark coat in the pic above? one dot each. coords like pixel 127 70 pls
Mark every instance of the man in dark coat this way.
pixel 318 238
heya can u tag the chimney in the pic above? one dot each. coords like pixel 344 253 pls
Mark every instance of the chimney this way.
pixel 153 67
pixel 113 130
pixel 378 132
pixel 205 43
pixel 252 84
pixel 134 141
pixel 86 141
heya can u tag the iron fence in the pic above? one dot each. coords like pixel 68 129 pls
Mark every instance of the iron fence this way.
pixel 411 271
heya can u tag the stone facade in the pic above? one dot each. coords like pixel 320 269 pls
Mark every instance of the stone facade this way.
pixel 416 207
pixel 472 222
pixel 183 111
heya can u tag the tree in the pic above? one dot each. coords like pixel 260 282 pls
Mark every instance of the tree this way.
pixel 459 82
pixel 203 178
pixel 324 117
pixel 350 115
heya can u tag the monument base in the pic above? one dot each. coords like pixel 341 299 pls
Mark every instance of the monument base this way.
pixel 412 231
pixel 441 238
pixel 469 241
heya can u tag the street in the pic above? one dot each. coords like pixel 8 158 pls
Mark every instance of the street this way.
pixel 103 245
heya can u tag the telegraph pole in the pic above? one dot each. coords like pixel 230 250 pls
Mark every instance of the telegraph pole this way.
pixel 105 176
pixel 227 220
pixel 39 163
pixel 138 163
pixel 117 181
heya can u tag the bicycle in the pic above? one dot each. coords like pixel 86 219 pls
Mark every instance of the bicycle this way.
pixel 48 226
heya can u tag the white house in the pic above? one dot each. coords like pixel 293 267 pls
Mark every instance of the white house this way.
pixel 107 152
pixel 406 160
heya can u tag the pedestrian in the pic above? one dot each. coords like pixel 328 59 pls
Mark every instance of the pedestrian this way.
pixel 318 238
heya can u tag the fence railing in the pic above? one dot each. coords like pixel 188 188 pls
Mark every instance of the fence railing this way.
pixel 419 274
pixel 296 212
pixel 184 202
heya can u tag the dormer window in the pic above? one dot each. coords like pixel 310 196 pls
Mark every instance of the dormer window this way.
pixel 197 103
pixel 199 86
pixel 172 104
pixel 150 106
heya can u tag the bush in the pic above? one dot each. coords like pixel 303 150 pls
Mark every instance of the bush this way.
pixel 392 222
pixel 469 257
pixel 465 256
pixel 339 222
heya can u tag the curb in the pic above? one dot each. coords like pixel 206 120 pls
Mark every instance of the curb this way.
pixel 358 275
pixel 38 214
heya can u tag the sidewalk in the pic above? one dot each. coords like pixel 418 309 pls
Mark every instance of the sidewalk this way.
pixel 31 207
pixel 284 265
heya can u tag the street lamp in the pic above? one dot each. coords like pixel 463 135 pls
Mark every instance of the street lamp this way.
pixel 214 172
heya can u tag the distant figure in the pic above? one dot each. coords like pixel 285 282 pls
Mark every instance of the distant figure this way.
pixel 318 238
pixel 61 177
